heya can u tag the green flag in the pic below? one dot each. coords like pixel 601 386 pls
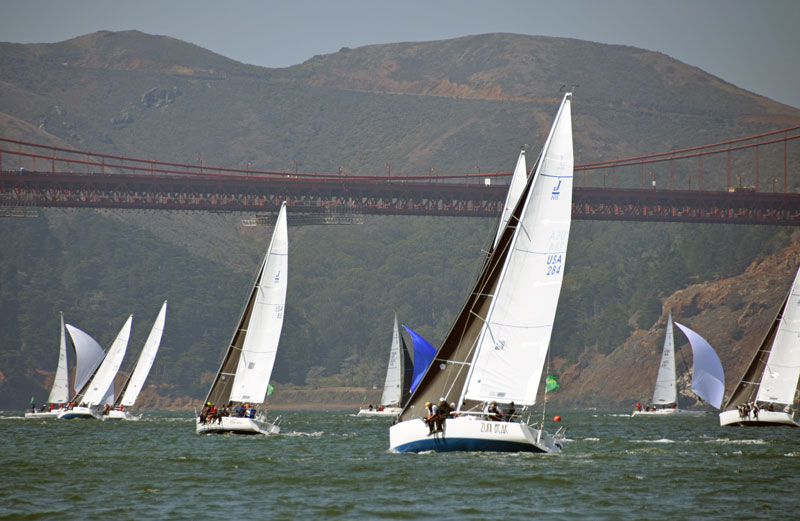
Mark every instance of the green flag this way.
pixel 551 384
pixel 32 400
pixel 269 390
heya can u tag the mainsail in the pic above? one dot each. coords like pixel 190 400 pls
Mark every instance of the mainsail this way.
pixel 59 393
pixel 88 355
pixel 134 385
pixel 247 366
pixel 665 392
pixel 781 372
pixel 708 379
pixel 502 333
pixel 516 187
pixel 103 379
pixel 394 386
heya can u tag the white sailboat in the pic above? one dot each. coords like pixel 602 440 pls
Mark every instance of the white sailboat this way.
pixel 95 392
pixel 497 347
pixel 398 379
pixel 59 392
pixel 665 394
pixel 243 377
pixel 766 393
pixel 133 386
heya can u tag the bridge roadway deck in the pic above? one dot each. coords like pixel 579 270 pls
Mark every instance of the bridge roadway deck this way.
pixel 392 196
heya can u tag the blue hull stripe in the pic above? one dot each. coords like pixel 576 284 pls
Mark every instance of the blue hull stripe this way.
pixel 466 444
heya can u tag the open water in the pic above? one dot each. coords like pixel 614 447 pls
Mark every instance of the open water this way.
pixel 329 465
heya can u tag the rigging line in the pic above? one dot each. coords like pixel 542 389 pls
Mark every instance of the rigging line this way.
pixel 547 370
pixel 471 304
pixel 458 373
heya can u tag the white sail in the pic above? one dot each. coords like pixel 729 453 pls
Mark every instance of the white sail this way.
pixel 779 380
pixel 104 377
pixel 708 379
pixel 266 320
pixel 146 359
pixel 393 386
pixel 665 392
pixel 59 393
pixel 514 340
pixel 88 355
pixel 518 181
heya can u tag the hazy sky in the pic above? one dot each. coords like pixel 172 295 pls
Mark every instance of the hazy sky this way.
pixel 753 44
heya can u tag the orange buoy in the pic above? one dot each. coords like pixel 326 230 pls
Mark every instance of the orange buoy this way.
pixel 557 419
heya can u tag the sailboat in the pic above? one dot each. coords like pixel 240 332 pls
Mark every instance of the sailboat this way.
pixel 665 394
pixel 766 392
pixel 398 379
pixel 95 392
pixel 59 392
pixel 133 386
pixel 497 348
pixel 243 377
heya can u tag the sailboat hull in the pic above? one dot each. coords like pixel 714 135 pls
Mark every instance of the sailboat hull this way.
pixel 669 412
pixel 466 433
pixel 236 425
pixel 120 415
pixel 386 412
pixel 79 413
pixel 764 419
pixel 41 415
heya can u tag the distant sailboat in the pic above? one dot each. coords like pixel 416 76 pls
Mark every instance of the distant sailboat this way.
pixel 665 394
pixel 398 379
pixel 242 380
pixel 133 386
pixel 59 392
pixel 772 376
pixel 96 391
pixel 497 347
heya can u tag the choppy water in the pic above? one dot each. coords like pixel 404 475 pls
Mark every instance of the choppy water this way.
pixel 329 465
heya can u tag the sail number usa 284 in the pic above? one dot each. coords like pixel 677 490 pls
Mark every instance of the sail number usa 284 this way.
pixel 554 263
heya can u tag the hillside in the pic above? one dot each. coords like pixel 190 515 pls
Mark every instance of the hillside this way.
pixel 733 314
pixel 447 106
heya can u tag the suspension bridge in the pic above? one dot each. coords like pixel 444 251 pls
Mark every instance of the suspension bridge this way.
pixel 741 181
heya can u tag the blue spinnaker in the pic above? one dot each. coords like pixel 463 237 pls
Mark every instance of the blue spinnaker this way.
pixel 424 353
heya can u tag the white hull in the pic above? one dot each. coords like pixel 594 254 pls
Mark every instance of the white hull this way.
pixel 120 415
pixel 42 415
pixel 467 433
pixel 386 412
pixel 669 412
pixel 765 419
pixel 78 412
pixel 236 425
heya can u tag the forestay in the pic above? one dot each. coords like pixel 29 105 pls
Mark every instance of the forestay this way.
pixel 59 393
pixel 514 338
pixel 779 380
pixel 88 355
pixel 146 359
pixel 665 392
pixel 104 377
pixel 263 330
pixel 708 379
